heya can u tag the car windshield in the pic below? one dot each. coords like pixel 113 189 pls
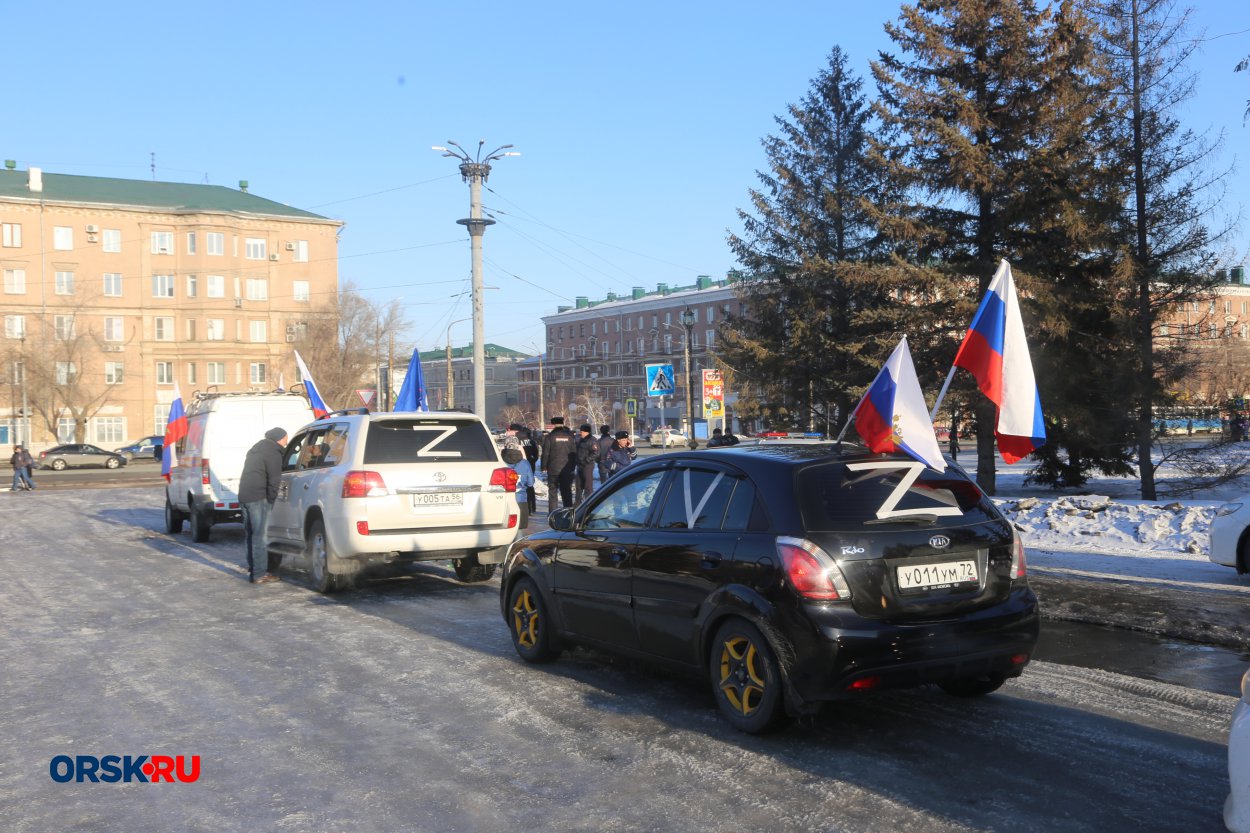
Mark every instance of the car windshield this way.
pixel 428 440
pixel 840 496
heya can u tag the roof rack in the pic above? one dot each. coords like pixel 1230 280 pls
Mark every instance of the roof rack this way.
pixel 346 412
pixel 204 395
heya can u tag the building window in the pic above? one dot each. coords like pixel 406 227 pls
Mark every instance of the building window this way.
pixel 112 240
pixel 64 283
pixel 711 314
pixel 190 329
pixel 12 235
pixel 216 373
pixel 709 336
pixel 109 430
pixel 162 242
pixel 163 329
pixel 114 328
pixel 301 291
pixel 164 373
pixel 216 286
pixel 65 429
pixel 215 243
pixel 258 373
pixel 162 286
pixel 193 284
pixel 113 284
pixel 301 251
pixel 15 281
pixel 15 326
pixel 216 329
pixel 113 373
pixel 64 327
pixel 65 372
pixel 259 331
pixel 160 418
pixel 62 238
pixel 257 289
pixel 191 374
pixel 594 328
pixel 254 248
pixel 190 242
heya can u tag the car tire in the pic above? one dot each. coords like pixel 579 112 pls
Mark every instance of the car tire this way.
pixel 973 686
pixel 58 465
pixel 173 518
pixel 1243 555
pixel 317 545
pixel 470 570
pixel 201 524
pixel 112 463
pixel 746 678
pixel 530 624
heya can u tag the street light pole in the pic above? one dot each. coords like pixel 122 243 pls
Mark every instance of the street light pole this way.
pixel 687 320
pixel 475 170
pixel 451 390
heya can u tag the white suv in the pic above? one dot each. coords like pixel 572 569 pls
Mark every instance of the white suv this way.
pixel 360 489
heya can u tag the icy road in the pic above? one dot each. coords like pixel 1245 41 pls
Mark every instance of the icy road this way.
pixel 401 707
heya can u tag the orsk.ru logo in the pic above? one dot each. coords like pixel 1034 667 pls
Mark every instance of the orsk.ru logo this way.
pixel 113 769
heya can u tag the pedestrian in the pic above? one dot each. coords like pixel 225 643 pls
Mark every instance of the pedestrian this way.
pixel 730 438
pixel 557 460
pixel 718 439
pixel 952 443
pixel 258 489
pixel 621 453
pixel 605 445
pixel 30 466
pixel 21 480
pixel 587 460
pixel 516 461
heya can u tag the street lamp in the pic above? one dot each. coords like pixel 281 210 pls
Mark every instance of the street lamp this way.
pixel 451 390
pixel 475 170
pixel 687 321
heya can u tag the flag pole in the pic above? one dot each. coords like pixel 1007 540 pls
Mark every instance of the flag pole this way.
pixel 942 394
pixel 851 418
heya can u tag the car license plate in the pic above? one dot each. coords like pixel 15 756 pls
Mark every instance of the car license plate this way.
pixel 438 499
pixel 942 574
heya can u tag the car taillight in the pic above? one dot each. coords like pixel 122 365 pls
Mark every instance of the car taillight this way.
pixel 204 478
pixel 505 477
pixel 364 484
pixel 1018 568
pixel 811 571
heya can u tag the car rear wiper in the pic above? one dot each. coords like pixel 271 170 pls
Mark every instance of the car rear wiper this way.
pixel 918 519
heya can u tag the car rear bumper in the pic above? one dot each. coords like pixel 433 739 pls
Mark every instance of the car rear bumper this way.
pixel 424 545
pixel 847 655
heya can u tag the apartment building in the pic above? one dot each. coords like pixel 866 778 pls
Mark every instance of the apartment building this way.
pixel 597 352
pixel 114 290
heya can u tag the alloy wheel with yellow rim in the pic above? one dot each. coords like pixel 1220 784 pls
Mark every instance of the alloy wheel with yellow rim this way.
pixel 746 679
pixel 529 623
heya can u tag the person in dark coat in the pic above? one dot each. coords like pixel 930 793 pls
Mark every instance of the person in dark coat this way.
pixel 258 489
pixel 557 460
pixel 605 445
pixel 621 453
pixel 587 460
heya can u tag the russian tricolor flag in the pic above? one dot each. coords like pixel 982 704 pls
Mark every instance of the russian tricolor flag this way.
pixel 892 415
pixel 175 430
pixel 318 404
pixel 996 353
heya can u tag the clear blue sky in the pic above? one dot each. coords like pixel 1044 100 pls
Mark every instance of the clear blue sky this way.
pixel 639 124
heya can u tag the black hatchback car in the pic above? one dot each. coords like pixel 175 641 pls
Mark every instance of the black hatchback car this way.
pixel 789 575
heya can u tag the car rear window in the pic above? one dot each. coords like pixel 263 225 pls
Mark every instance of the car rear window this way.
pixel 833 497
pixel 428 440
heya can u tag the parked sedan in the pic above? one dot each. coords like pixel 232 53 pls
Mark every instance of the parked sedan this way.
pixel 141 449
pixel 74 455
pixel 667 438
pixel 1230 535
pixel 787 575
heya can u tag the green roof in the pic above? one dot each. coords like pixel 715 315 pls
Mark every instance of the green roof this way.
pixel 138 193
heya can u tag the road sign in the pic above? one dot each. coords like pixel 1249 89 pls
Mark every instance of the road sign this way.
pixel 631 407
pixel 366 395
pixel 660 380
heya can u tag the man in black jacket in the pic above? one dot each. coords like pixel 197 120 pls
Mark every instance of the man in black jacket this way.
pixel 258 489
pixel 586 454
pixel 557 460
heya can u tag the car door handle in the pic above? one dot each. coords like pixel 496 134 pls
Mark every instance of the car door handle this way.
pixel 711 560
pixel 305 487
pixel 619 554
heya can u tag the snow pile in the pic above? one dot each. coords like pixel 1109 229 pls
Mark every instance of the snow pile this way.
pixel 1096 523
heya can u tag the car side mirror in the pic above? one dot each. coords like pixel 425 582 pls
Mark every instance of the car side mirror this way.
pixel 561 520
pixel 157 451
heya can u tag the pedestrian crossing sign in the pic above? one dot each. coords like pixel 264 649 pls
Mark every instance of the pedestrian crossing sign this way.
pixel 660 380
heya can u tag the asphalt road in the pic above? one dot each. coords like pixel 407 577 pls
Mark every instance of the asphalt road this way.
pixel 401 706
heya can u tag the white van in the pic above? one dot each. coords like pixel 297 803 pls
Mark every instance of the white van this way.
pixel 221 427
